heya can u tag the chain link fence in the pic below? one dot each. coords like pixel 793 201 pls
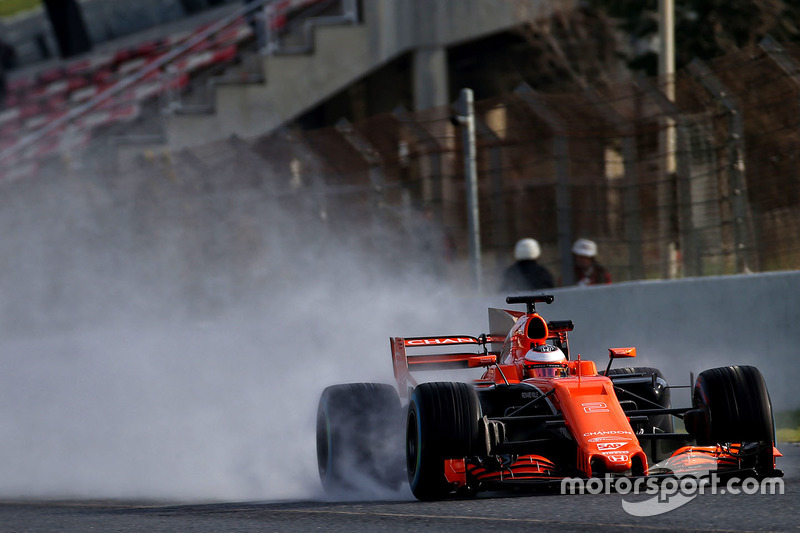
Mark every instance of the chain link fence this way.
pixel 707 184
pixel 719 196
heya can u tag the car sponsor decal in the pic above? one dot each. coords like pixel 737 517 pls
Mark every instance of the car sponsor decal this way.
pixel 610 445
pixel 619 458
pixel 607 432
pixel 614 438
pixel 595 407
pixel 438 341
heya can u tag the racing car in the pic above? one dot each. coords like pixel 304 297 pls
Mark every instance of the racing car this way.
pixel 534 414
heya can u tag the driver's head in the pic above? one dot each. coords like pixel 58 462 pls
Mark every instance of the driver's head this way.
pixel 545 361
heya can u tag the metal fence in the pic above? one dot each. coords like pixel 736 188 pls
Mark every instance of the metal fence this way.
pixel 723 198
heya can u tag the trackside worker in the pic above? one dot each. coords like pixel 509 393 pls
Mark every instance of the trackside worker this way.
pixel 587 270
pixel 526 273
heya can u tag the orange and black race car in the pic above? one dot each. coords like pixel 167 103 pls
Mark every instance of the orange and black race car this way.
pixel 535 416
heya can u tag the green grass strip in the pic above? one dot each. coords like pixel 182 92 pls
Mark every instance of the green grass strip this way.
pixel 788 426
pixel 788 435
pixel 12 7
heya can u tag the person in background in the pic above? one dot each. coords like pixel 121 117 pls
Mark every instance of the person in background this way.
pixel 526 273
pixel 587 270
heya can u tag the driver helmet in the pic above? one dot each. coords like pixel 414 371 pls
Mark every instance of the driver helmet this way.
pixel 545 361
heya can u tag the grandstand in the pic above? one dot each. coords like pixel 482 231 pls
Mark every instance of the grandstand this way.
pixel 237 69
pixel 57 108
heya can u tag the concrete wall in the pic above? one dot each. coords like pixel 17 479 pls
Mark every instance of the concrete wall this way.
pixel 31 36
pixel 405 24
pixel 690 325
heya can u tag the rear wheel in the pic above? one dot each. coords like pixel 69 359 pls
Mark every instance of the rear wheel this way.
pixel 650 395
pixel 359 436
pixel 442 423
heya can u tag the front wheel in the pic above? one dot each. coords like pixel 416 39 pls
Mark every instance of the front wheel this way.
pixel 442 423
pixel 731 404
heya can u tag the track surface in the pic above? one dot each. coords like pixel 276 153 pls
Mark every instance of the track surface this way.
pixel 543 512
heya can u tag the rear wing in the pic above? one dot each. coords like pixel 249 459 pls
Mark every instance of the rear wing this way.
pixel 410 354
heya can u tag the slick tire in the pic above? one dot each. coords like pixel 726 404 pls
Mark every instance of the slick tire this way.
pixel 731 404
pixel 442 423
pixel 359 437
pixel 658 394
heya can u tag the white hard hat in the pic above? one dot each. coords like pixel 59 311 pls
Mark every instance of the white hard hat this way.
pixel 527 249
pixel 584 247
pixel 545 353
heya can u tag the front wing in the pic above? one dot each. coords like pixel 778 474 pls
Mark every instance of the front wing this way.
pixel 538 471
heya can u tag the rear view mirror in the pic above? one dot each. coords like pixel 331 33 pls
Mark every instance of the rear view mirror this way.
pixel 617 353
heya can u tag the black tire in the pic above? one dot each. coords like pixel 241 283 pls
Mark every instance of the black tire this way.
pixel 442 423
pixel 658 394
pixel 731 404
pixel 359 437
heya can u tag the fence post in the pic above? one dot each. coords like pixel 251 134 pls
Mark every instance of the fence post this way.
pixel 466 119
pixel 563 197
pixel 432 182
pixel 689 247
pixel 499 213
pixel 736 166
pixel 630 192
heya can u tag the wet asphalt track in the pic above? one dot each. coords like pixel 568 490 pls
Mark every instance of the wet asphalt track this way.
pixel 525 512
